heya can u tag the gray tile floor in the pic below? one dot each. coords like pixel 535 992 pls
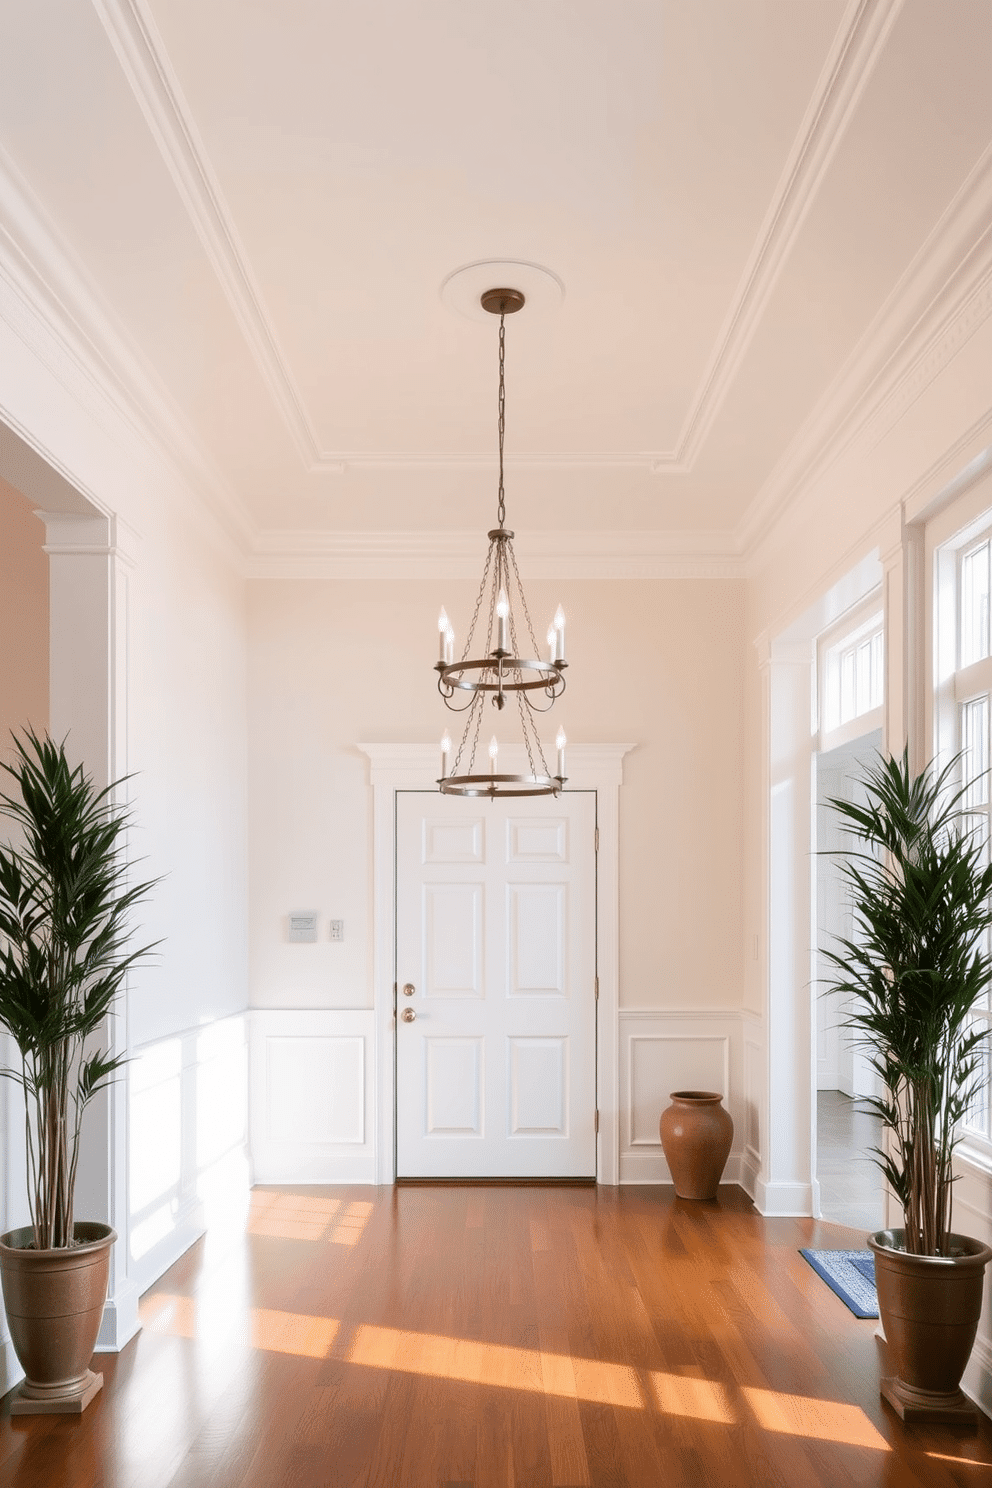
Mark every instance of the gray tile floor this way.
pixel 851 1187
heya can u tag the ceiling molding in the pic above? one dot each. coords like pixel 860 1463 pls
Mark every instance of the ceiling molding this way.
pixel 460 555
pixel 144 60
pixel 943 297
pixel 857 47
pixel 145 63
pixel 57 313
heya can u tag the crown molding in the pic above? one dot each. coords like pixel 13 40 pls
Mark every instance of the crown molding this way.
pixel 857 47
pixel 145 63
pixel 55 311
pixel 943 297
pixel 460 555
pixel 141 52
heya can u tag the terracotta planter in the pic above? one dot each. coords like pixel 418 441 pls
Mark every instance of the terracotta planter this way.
pixel 696 1133
pixel 54 1301
pixel 930 1308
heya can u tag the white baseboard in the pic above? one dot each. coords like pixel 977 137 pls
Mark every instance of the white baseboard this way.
pixel 120 1320
pixel 749 1170
pixel 651 1167
pixel 977 1381
pixel 783 1200
pixel 11 1372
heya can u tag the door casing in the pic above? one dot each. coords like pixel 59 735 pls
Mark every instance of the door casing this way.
pixel 395 767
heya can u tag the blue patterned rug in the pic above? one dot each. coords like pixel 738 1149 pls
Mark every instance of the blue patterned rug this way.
pixel 849 1273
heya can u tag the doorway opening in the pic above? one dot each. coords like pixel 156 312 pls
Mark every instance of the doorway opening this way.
pixel 851 1187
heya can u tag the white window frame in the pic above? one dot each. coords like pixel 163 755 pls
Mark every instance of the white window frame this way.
pixel 856 625
pixel 949 537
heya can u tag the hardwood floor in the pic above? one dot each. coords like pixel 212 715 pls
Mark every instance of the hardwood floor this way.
pixel 499 1338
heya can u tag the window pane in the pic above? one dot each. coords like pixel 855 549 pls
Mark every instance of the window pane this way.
pixel 877 671
pixel 863 683
pixel 975 748
pixel 975 605
pixel 977 1117
pixel 847 692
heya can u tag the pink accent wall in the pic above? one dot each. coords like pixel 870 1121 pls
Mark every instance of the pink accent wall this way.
pixel 23 617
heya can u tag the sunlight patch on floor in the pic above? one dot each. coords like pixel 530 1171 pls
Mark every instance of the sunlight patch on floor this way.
pixel 821 1420
pixel 498 1365
pixel 281 1216
pixel 684 1395
pixel 502 1366
pixel 292 1333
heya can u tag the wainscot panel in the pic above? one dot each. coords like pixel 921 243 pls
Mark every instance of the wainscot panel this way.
pixel 661 1052
pixel 312 1102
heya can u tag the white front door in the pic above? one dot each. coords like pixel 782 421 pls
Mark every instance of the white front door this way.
pixel 496 937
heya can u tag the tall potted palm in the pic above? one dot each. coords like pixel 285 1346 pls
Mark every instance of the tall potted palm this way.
pixel 65 907
pixel 914 969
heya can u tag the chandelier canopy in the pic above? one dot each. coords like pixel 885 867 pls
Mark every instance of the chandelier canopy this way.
pixel 503 663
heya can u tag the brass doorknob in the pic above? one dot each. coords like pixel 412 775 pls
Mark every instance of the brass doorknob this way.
pixel 408 989
pixel 408 1015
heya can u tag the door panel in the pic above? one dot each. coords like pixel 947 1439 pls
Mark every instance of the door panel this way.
pixel 496 930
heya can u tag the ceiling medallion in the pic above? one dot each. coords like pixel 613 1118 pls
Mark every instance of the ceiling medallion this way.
pixel 509 666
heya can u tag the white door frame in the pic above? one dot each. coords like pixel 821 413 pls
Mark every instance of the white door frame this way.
pixel 396 767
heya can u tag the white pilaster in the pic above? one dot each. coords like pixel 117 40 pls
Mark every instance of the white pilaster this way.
pixel 89 567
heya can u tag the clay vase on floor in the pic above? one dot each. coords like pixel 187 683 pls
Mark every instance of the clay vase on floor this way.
pixel 696 1133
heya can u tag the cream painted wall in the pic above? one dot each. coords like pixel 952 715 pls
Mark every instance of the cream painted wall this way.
pixel 23 617
pixel 23 700
pixel 658 662
pixel 187 717
pixel 178 703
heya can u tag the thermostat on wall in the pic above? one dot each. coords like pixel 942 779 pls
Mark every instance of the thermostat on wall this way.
pixel 303 927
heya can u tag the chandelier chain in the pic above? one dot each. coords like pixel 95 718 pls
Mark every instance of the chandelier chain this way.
pixel 523 598
pixel 478 604
pixel 501 512
pixel 526 733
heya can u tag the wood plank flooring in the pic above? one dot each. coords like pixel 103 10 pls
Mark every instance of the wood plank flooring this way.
pixel 473 1337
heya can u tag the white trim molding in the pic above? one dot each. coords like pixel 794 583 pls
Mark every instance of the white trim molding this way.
pixel 395 767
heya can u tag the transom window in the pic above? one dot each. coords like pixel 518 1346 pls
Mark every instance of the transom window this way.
pixel 852 675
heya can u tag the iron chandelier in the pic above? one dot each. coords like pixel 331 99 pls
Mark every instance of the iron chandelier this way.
pixel 503 670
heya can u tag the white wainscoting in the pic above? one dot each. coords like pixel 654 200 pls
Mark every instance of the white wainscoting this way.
pixel 972 1215
pixel 13 1192
pixel 188 1129
pixel 312 1096
pixel 661 1052
pixel 754 1101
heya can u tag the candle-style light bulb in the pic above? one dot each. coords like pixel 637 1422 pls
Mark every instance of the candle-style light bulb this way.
pixel 443 625
pixel 445 751
pixel 502 614
pixel 560 628
pixel 560 742
pixel 449 645
pixel 493 751
pixel 552 643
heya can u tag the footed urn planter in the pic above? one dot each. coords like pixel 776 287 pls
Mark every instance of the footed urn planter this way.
pixel 696 1134
pixel 54 1301
pixel 930 1308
